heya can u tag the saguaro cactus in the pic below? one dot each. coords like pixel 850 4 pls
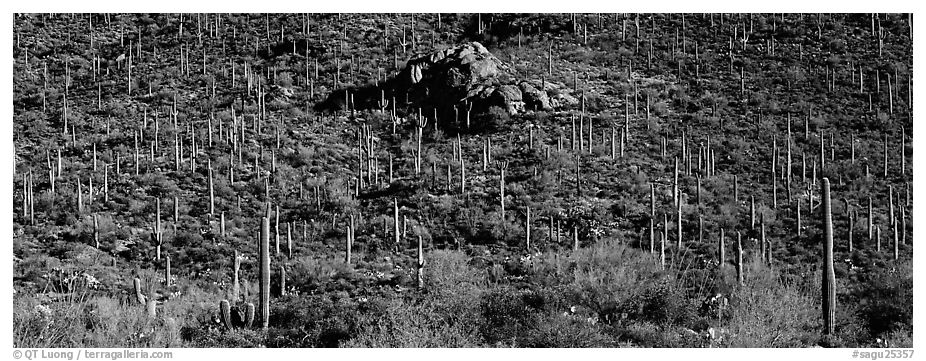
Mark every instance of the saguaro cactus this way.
pixel 890 203
pixel 211 190
pixel 225 314
pixel 462 174
pixel 675 195
pixel 896 240
pixel 420 124
pixel 176 210
pixel 282 280
pixel 871 221
pixel 139 295
pixel 395 219
pixel 739 257
pixel 289 240
pixel 276 230
pixel 502 167
pixel 265 272
pixel 652 235
pixel 721 252
pixel 575 238
pixel 350 239
pixel 762 240
pixel 829 273
pixel 420 263
pixel 679 228
pixel 167 271
pixel 798 219
pixel 662 251
pixel 878 239
pixel 236 284
pixel 249 315
pixel 151 305
pixel 96 231
pixel 850 224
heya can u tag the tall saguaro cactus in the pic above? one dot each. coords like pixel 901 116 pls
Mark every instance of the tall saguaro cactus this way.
pixel 575 237
pixel 265 272
pixel 679 228
pixel 871 221
pixel 350 239
pixel 652 235
pixel 662 250
pixel 896 242
pixel 739 258
pixel 282 280
pixel 721 252
pixel 527 227
pixel 236 286
pixel 395 219
pixel 420 263
pixel 211 189
pixel 502 167
pixel 167 271
pixel 96 231
pixel 420 124
pixel 829 273
pixel 462 174
pixel 763 243
pixel 276 230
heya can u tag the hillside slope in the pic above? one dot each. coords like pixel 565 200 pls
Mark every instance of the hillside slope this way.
pixel 146 138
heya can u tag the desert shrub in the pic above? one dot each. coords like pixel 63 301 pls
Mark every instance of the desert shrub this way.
pixel 595 103
pixel 767 313
pixel 90 322
pixel 507 315
pixel 321 320
pixel 646 334
pixel 559 330
pixel 660 303
pixel 493 119
pixel 660 108
pixel 900 337
pixel 284 79
pixel 454 288
pixel 445 315
pixel 216 337
pixel 886 301
pixel 408 323
pixel 310 274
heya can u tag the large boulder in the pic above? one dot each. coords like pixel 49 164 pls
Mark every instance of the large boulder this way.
pixel 534 97
pixel 545 95
pixel 470 73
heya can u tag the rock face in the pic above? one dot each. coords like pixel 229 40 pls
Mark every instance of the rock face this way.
pixel 279 93
pixel 552 96
pixel 470 73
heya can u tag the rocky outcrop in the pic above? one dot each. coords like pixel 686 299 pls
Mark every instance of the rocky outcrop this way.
pixel 552 96
pixel 466 76
pixel 470 73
